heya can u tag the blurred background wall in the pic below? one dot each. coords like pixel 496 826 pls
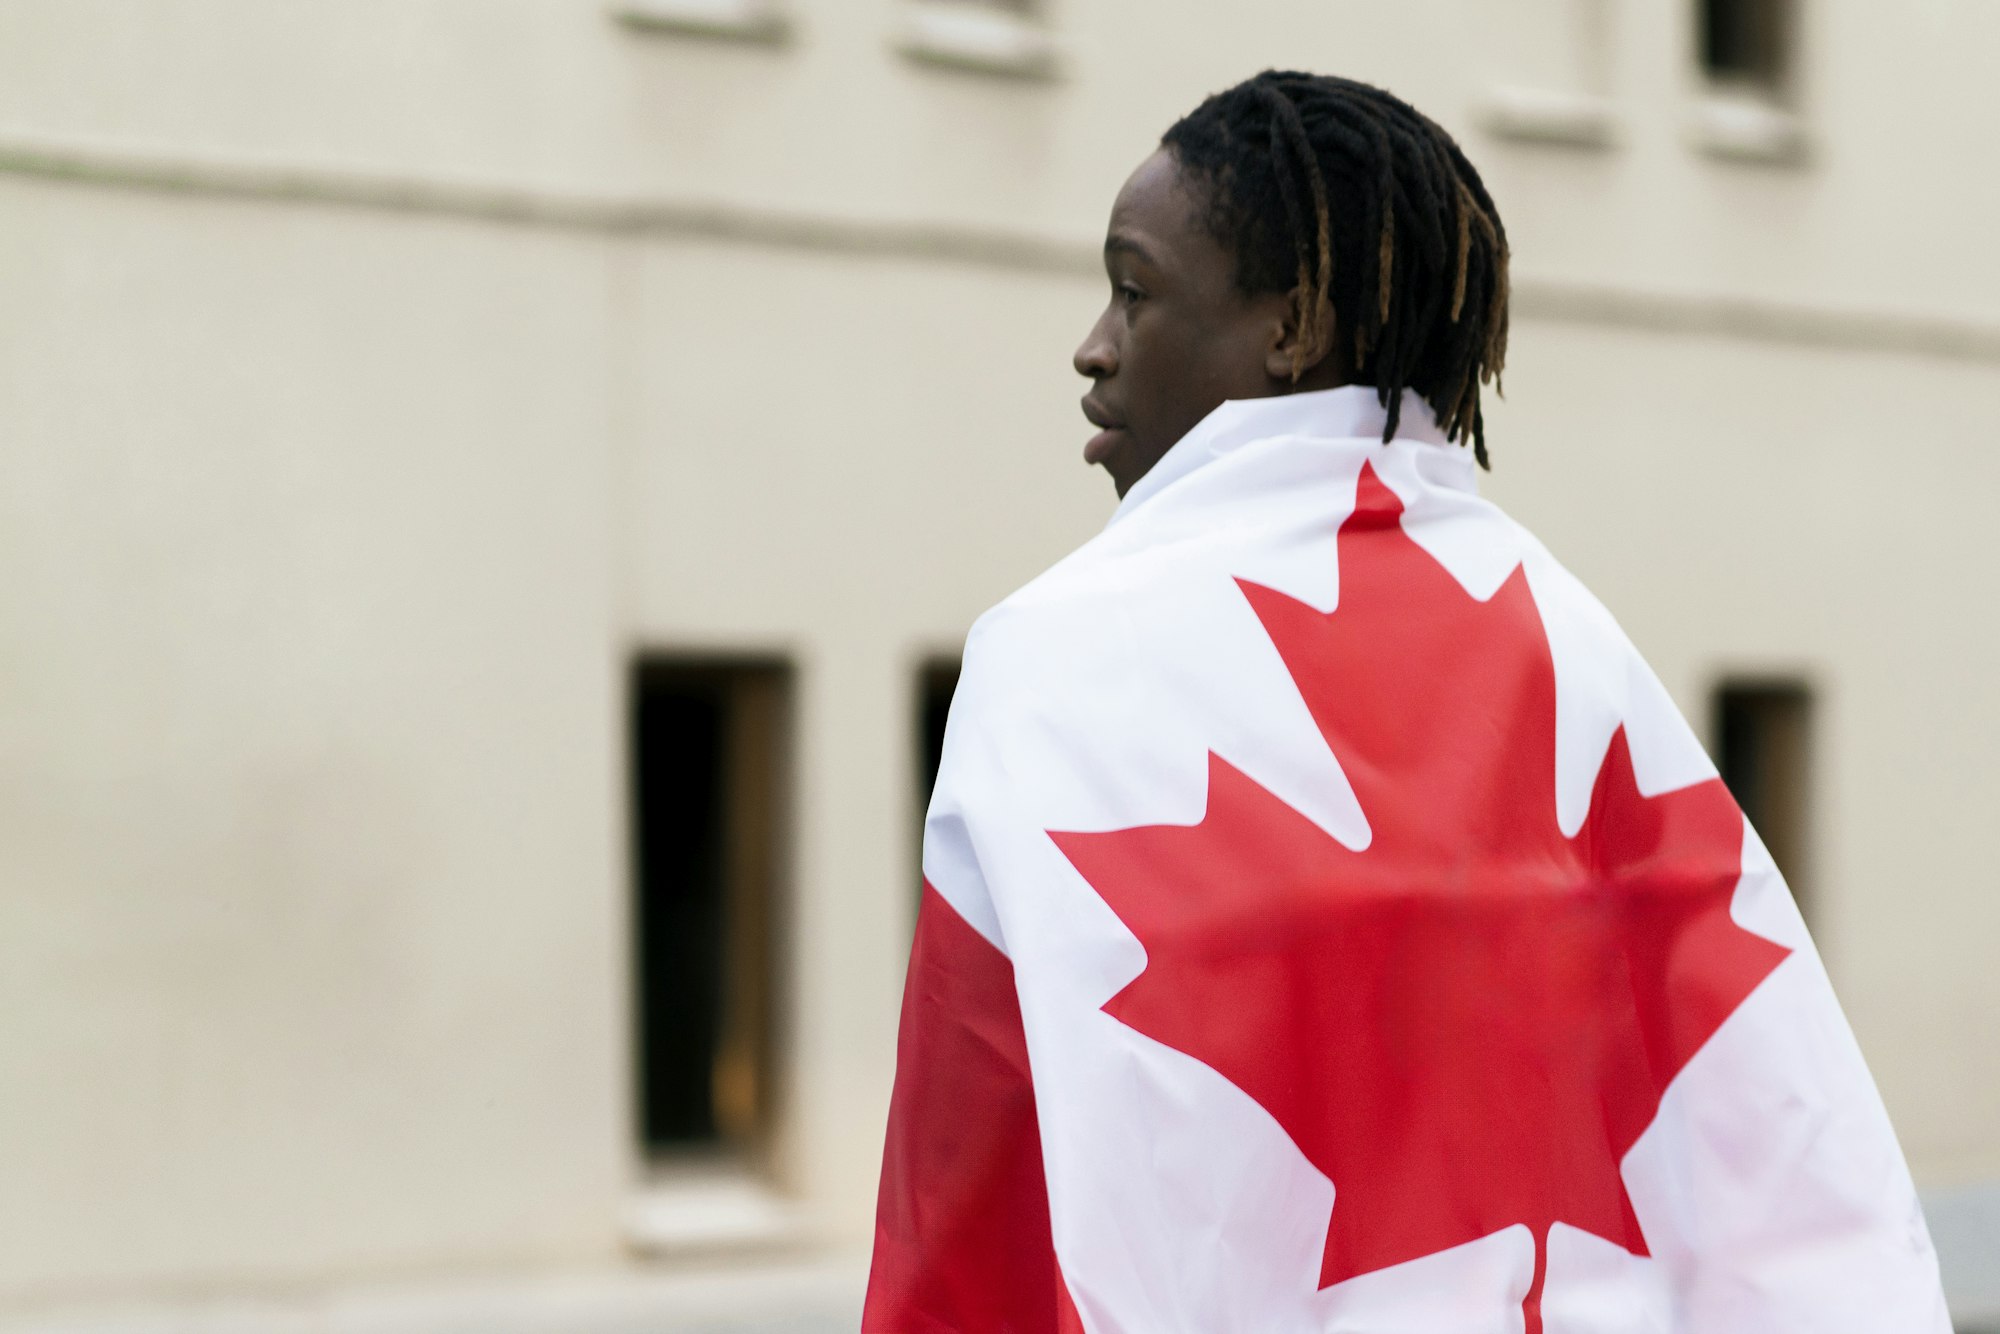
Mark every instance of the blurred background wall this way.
pixel 493 491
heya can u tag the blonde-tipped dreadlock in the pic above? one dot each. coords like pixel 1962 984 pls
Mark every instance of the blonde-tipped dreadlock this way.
pixel 1305 169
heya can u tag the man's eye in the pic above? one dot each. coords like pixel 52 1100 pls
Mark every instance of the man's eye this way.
pixel 1129 294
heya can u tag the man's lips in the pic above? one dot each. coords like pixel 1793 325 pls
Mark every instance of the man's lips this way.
pixel 1110 431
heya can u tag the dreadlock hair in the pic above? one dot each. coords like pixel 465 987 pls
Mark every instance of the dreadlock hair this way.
pixel 1358 205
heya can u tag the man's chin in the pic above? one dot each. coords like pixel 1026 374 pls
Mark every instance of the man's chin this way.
pixel 1105 446
pixel 1122 475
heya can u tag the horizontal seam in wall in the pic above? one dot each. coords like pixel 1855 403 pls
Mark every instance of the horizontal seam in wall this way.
pixel 666 217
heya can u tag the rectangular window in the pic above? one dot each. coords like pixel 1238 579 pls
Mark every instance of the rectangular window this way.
pixel 1763 748
pixel 1547 66
pixel 1005 37
pixel 743 20
pixel 936 682
pixel 709 758
pixel 1746 43
pixel 1552 45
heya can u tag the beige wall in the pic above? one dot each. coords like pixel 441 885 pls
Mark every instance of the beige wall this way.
pixel 306 814
pixel 328 528
pixel 1897 100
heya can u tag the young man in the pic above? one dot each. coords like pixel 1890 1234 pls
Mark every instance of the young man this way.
pixel 1329 923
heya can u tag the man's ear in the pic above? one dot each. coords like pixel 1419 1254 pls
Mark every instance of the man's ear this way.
pixel 1302 337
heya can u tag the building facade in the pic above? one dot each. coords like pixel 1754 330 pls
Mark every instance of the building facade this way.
pixel 495 488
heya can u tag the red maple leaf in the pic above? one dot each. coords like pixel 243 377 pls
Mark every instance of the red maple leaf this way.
pixel 1466 1025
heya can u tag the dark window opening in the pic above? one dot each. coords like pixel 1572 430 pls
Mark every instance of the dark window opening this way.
pixel 1762 747
pixel 708 762
pixel 1746 42
pixel 936 682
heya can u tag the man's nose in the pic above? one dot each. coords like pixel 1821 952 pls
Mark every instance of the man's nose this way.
pixel 1097 356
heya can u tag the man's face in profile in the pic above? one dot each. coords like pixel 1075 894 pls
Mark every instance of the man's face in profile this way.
pixel 1178 337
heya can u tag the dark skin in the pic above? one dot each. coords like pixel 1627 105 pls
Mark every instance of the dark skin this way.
pixel 1179 337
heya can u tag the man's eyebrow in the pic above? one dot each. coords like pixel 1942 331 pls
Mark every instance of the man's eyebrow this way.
pixel 1117 243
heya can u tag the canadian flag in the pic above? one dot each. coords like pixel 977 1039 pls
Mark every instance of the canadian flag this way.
pixel 1330 925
